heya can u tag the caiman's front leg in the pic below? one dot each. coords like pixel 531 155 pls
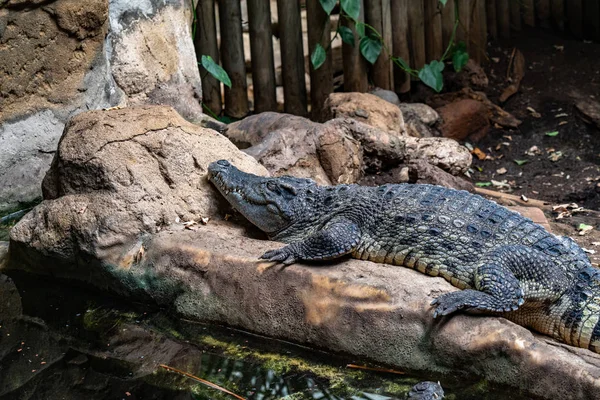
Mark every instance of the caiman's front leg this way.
pixel 338 237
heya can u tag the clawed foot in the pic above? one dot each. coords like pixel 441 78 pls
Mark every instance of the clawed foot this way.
pixel 450 302
pixel 283 254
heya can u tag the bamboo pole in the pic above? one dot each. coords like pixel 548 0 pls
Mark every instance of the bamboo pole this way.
pixel 205 43
pixel 292 57
pixel 503 13
pixel 321 80
pixel 575 17
pixel 400 43
pixel 558 13
pixel 515 15
pixel 416 23
pixel 232 54
pixel 492 20
pixel 433 29
pixel 355 67
pixel 464 16
pixel 448 18
pixel 378 15
pixel 261 48
pixel 528 12
pixel 478 31
pixel 542 7
pixel 591 19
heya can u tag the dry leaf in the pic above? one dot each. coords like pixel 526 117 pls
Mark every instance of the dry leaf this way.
pixel 479 153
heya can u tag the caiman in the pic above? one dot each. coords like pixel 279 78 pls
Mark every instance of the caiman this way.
pixel 506 264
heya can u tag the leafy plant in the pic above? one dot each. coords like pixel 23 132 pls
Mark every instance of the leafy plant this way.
pixel 215 70
pixel 371 45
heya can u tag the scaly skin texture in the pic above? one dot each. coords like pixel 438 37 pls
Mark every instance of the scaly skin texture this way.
pixel 426 390
pixel 506 264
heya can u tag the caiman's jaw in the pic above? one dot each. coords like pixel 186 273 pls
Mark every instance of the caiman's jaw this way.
pixel 266 202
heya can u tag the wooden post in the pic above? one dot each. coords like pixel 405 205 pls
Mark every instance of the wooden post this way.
pixel 529 12
pixel 400 43
pixel 464 26
pixel 591 19
pixel 416 23
pixel 321 80
pixel 542 7
pixel 575 17
pixel 558 13
pixel 292 57
pixel 355 67
pixel 205 43
pixel 433 29
pixel 478 31
pixel 515 15
pixel 492 20
pixel 503 13
pixel 232 54
pixel 378 15
pixel 261 48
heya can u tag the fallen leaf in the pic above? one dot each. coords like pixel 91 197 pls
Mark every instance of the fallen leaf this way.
pixel 552 134
pixel 521 162
pixel 205 220
pixel 478 153
pixel 555 156
pixel 588 250
pixel 583 229
pixel 500 184
pixel 534 113
pixel 563 123
pixel 501 171
pixel 561 115
pixel 559 47
pixel 483 184
pixel 533 151
pixel 524 198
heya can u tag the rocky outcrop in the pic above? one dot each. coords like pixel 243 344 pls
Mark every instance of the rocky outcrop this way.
pixel 62 57
pixel 340 150
pixel 420 119
pixel 366 108
pixel 129 211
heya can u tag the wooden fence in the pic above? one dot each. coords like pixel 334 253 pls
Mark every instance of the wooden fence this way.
pixel 416 30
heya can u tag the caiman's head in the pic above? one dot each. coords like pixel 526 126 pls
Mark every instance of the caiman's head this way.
pixel 266 202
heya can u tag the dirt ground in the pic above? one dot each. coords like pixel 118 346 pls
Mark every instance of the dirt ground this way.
pixel 559 72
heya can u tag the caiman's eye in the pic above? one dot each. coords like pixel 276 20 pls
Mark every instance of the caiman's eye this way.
pixel 272 186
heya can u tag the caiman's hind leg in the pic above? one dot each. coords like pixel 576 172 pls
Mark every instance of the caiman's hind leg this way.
pixel 495 278
pixel 337 238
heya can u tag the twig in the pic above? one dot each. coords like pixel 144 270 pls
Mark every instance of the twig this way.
pixel 204 382
pixel 510 61
pixel 391 371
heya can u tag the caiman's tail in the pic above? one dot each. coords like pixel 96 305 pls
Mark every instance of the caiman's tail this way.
pixel 577 313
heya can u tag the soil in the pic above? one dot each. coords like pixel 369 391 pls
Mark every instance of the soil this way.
pixel 560 71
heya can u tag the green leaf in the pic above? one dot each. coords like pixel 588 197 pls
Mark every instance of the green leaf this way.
pixel 370 48
pixel 328 5
pixel 584 227
pixel 483 184
pixel 443 2
pixel 431 75
pixel 347 35
pixel 552 134
pixel 460 56
pixel 317 58
pixel 360 29
pixel 521 162
pixel 403 63
pixel 215 70
pixel 352 8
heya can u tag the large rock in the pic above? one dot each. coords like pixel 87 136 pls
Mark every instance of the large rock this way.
pixel 62 57
pixel 420 119
pixel 366 108
pixel 122 173
pixel 374 312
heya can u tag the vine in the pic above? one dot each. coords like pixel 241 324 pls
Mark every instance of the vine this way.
pixel 371 45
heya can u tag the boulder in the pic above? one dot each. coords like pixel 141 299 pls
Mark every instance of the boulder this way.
pixel 123 173
pixel 59 58
pixel 463 119
pixel 366 108
pixel 420 119
pixel 387 95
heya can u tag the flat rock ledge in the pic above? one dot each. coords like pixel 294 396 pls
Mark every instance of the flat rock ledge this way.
pixel 126 197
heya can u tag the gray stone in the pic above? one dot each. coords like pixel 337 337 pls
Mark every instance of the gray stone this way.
pixel 64 57
pixel 387 95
